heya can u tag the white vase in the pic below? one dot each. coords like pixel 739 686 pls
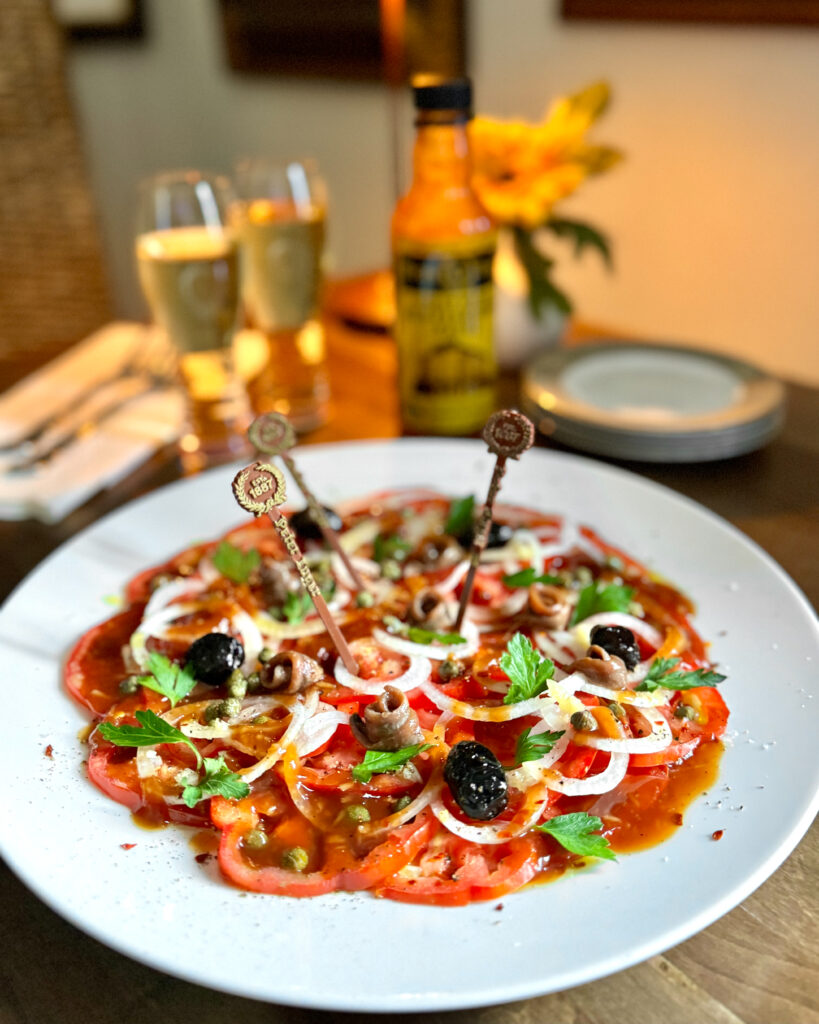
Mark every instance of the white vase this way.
pixel 519 334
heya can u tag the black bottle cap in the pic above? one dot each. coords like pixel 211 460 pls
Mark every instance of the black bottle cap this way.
pixel 436 93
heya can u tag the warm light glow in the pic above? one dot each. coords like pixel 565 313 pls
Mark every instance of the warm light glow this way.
pixel 393 36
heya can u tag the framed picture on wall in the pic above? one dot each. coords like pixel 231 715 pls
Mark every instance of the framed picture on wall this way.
pixel 342 38
pixel 100 19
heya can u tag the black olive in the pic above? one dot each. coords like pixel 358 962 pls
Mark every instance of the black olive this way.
pixel 476 780
pixel 307 528
pixel 214 656
pixel 619 642
pixel 499 534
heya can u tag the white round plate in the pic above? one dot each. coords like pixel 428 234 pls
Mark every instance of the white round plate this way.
pixel 155 903
pixel 655 403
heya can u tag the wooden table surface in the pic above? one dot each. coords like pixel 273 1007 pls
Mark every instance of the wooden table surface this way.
pixel 757 964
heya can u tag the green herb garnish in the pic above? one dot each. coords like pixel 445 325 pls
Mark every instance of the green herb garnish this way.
pixel 391 547
pixel 234 563
pixel 171 680
pixel 532 748
pixel 461 516
pixel 420 636
pixel 218 780
pixel 575 831
pixel 660 674
pixel 595 598
pixel 153 730
pixel 526 577
pixel 296 606
pixel 529 672
pixel 377 761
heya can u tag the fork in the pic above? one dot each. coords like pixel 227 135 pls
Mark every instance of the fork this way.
pixel 136 365
pixel 153 380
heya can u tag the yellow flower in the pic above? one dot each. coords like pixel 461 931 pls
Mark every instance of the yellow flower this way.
pixel 521 170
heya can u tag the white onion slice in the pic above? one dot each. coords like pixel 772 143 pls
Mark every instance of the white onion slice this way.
pixel 272 630
pixel 486 835
pixel 611 776
pixel 566 649
pixel 365 566
pixel 154 626
pixel 299 714
pixel 482 614
pixel 639 699
pixel 318 729
pixel 251 637
pixel 449 583
pixel 171 590
pixel 435 652
pixel 542 705
pixel 643 629
pixel 430 791
pixel 416 675
pixel 658 739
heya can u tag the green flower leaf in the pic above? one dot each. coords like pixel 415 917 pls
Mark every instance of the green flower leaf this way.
pixel 575 831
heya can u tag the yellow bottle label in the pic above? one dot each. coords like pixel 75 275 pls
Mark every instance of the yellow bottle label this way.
pixel 447 367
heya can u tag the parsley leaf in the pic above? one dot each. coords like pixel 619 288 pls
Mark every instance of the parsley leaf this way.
pixel 296 606
pixel 529 672
pixel 574 833
pixel 417 635
pixel 532 748
pixel 219 780
pixel 151 730
pixel 526 577
pixel 660 674
pixel 611 597
pixel 234 563
pixel 385 761
pixel 427 636
pixel 390 547
pixel 168 678
pixel 461 516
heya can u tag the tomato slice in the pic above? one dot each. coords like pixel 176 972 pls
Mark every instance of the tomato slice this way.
pixel 95 666
pixel 332 771
pixel 452 872
pixel 710 724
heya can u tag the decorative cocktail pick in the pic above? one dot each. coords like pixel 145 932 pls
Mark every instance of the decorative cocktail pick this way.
pixel 273 434
pixel 508 434
pixel 260 489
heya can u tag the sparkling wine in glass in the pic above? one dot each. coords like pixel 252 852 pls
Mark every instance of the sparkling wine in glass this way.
pixel 280 221
pixel 187 256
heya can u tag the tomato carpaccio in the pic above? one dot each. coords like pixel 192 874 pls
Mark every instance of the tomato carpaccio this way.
pixel 559 722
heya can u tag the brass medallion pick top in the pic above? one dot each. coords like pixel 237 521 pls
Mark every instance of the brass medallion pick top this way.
pixel 260 489
pixel 273 434
pixel 508 434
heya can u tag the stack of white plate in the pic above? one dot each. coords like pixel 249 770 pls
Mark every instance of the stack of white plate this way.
pixel 653 403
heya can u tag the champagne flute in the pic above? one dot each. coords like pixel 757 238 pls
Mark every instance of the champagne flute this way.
pixel 280 221
pixel 187 257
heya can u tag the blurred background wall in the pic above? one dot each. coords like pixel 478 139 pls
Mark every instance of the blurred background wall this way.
pixel 714 216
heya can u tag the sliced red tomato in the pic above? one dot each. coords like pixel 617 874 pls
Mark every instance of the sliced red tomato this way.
pixel 95 667
pixel 332 771
pixel 452 872
pixel 689 733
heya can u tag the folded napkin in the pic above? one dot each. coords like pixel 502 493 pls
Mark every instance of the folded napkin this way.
pixel 146 417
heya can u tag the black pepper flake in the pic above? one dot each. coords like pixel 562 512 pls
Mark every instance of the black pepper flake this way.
pixel 203 858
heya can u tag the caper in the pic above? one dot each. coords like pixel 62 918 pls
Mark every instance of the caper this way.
pixel 212 711
pixel 230 707
pixel 685 711
pixel 129 685
pixel 390 569
pixel 236 684
pixel 364 599
pixel 265 655
pixel 254 682
pixel 295 859
pixel 357 813
pixel 583 721
pixel 450 669
pixel 260 720
pixel 402 802
pixel 616 709
pixel 255 839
